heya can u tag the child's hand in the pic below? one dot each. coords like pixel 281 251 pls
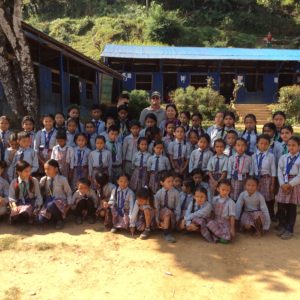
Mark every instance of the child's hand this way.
pixel 158 223
pixel 132 231
pixel 105 204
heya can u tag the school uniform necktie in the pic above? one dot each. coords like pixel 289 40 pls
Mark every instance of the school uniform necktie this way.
pixel 259 158
pixel 22 155
pixel 156 168
pixel 100 160
pixel 79 160
pixel 285 149
pixel 120 203
pixel 2 150
pixel 230 151
pixel 217 166
pixel 166 199
pixel 179 153
pixel 236 169
pixel 184 202
pixel 25 192
pixel 200 159
pixel 113 151
pixel 248 141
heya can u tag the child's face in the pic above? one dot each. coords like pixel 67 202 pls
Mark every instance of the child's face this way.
pixel 61 142
pixel 293 147
pixel 142 201
pixel 113 135
pixel 269 132
pixel 197 178
pixel 48 123
pixel 27 126
pixel 83 189
pixel 74 113
pixel 203 144
pixel 228 121
pixel 135 130
pixel 81 141
pixel 90 128
pixel 157 136
pixel 71 127
pixel 179 134
pixel 170 129
pixel 171 113
pixel 168 183
pixel 150 123
pixel 199 197
pixel 109 122
pixel 193 138
pixel 240 147
pixel 177 182
pixel 184 119
pixel 96 114
pixel 249 124
pixel 263 145
pixel 25 142
pixel 219 119
pixel 143 146
pixel 25 174
pixel 123 114
pixel 4 124
pixel 158 149
pixel 123 182
pixel 285 135
pixel 231 139
pixel 251 186
pixel 219 148
pixel 100 144
pixel 224 190
pixel 279 121
pixel 50 171
pixel 196 122
pixel 59 120
pixel 14 144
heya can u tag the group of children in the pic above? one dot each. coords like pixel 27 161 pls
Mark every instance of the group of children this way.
pixel 169 176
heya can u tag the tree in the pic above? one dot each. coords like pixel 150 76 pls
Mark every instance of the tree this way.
pixel 16 67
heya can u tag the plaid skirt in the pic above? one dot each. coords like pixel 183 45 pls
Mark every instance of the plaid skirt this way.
pixel 79 172
pixel 139 178
pixel 293 197
pixel 119 221
pixel 249 217
pixel 20 209
pixel 202 223
pixel 141 221
pixel 216 177
pixel 264 187
pixel 237 187
pixel 60 204
pixel 64 168
pixel 128 167
pixel 154 180
pixel 164 212
pixel 116 171
pixel 220 228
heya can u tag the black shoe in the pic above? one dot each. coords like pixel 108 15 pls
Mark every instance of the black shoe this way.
pixel 59 225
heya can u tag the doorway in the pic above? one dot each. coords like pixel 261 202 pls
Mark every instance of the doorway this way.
pixel 74 90
pixel 169 84
pixel 226 86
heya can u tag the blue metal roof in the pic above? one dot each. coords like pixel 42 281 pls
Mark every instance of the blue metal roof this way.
pixel 197 53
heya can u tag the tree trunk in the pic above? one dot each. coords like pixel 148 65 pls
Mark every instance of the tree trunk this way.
pixel 16 67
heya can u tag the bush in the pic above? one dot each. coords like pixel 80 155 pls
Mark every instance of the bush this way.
pixel 206 100
pixel 139 99
pixel 289 102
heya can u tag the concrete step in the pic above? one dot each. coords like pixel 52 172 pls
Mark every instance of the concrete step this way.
pixel 261 111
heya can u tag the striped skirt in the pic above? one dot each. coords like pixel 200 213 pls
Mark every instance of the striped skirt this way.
pixel 154 180
pixel 119 221
pixel 216 177
pixel 237 187
pixel 166 212
pixel 128 167
pixel 264 187
pixel 292 197
pixel 20 209
pixel 141 221
pixel 60 204
pixel 220 228
pixel 248 218
pixel 202 223
pixel 139 178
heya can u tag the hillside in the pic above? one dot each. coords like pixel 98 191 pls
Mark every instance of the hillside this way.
pixel 90 24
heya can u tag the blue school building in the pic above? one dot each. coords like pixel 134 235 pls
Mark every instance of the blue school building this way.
pixel 165 68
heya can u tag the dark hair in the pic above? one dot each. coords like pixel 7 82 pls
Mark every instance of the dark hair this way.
pixel 100 137
pixel 96 106
pixel 225 182
pixel 123 175
pixel 5 118
pixel 279 113
pixel 90 123
pixel 53 163
pixel 197 114
pixel 71 120
pixel 174 107
pixel 102 179
pixel 28 119
pixel 253 178
pixel 186 113
pixel 21 165
pixel 270 125
pixel 189 183
pixel 74 106
pixel 295 139
pixel 180 126
pixel 77 135
pixel 77 120
pixel 220 141
pixel 145 193
pixel 151 116
pixel 264 137
pixel 165 176
pixel 158 143
pixel 140 140
pixel 231 114
pixel 48 116
pixel 241 140
pixel 134 123
pixel 201 189
pixel 153 132
pixel 123 107
pixel 59 113
pixel 61 134
pixel 232 132
pixel 193 131
pixel 205 136
pixel 197 171
pixel 23 135
pixel 3 164
pixel 113 128
pixel 84 181
pixel 253 117
pixel 288 127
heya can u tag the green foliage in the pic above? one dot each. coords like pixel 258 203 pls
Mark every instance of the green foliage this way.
pixel 289 102
pixel 139 99
pixel 206 100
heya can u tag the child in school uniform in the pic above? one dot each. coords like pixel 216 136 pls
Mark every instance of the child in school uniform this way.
pixel 196 125
pixel 84 202
pixel 57 195
pixel 11 150
pixel 177 182
pixel 239 167
pixel 24 194
pixel 264 169
pixel 198 214
pixel 123 122
pixel 199 158
pixel 228 124
pixel 288 196
pixel 100 160
pixel 279 118
pixel 185 118
pixel 45 140
pixel 59 121
pixel 230 141
pixel 81 156
pixel 25 152
pixel 150 122
pixel 157 166
pixel 213 131
pixel 250 133
pixel 178 152
pixel 192 140
pixel 74 113
pixel 251 208
pixel 217 165
pixel 121 204
pixel 110 121
pixel 167 205
pixel 169 135
pixel 185 198
pixel 142 217
pixel 71 132
pixel 4 188
pixel 140 176
pixel 154 135
pixel 96 114
pixel 115 147
pixel 222 224
pixel 64 155
pixel 28 126
pixel 91 133
pixel 130 146
pixel 197 176
pixel 5 132
pixel 286 133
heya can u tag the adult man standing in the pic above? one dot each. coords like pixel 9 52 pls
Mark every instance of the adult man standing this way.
pixel 153 108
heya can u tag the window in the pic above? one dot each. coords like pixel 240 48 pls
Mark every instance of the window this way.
pixel 198 80
pixel 254 82
pixel 89 90
pixel 55 83
pixel 143 82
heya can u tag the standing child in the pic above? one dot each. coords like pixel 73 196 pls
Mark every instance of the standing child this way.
pixel 228 124
pixel 100 160
pixel 185 118
pixel 121 203
pixel 57 195
pixel 178 182
pixel 4 188
pixel 198 213
pixel 60 121
pixel 84 202
pixel 217 165
pixel 130 146
pixel 24 194
pixel 91 133
pixel 63 154
pixel 142 218
pixel 200 157
pixel 178 151
pixel 192 138
pixel 45 140
pixel 275 146
pixel 251 208
pixel 197 123
pixel 4 130
pixel 230 141
pixel 222 226
pixel 74 113
pixel 279 118
pixel 214 131
pixel 12 149
pixel 140 176
pixel 71 132
pixel 123 122
pixel 154 135
pixel 286 133
pixel 25 152
pixel 250 133
pixel 28 126
pixel 167 207
pixel 197 177
pixel 96 114
pixel 239 167
pixel 169 135
pixel 264 169
pixel 150 122
pixel 81 154
pixel 157 166
pixel 289 192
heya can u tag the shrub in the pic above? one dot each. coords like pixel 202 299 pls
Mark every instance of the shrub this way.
pixel 138 101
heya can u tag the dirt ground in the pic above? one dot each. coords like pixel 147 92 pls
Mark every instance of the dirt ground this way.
pixel 85 262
